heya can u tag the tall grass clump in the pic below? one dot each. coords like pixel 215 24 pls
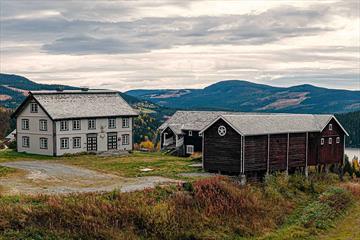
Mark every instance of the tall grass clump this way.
pixel 211 208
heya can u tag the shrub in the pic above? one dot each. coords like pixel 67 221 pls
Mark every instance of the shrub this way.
pixel 147 145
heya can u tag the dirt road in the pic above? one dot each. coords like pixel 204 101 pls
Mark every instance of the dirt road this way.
pixel 54 178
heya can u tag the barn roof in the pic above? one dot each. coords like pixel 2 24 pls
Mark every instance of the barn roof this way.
pixel 82 104
pixel 277 123
pixel 193 120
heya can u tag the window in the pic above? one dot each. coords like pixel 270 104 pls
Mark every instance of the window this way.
pixel 125 122
pixel 64 143
pixel 34 108
pixel 64 125
pixel 43 143
pixel 322 141
pixel 112 122
pixel 92 124
pixel 337 139
pixel 330 140
pixel 76 142
pixel 189 149
pixel 330 127
pixel 25 124
pixel 125 139
pixel 190 133
pixel 76 125
pixel 25 142
pixel 43 125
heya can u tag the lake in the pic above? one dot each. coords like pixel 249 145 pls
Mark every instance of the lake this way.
pixel 351 152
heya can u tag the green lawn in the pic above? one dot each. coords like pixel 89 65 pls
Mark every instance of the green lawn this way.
pixel 129 166
pixel 125 166
pixel 9 155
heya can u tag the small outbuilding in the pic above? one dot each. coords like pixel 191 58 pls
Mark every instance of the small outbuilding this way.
pixel 255 144
pixel 180 133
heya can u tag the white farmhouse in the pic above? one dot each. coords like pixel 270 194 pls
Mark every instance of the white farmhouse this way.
pixel 59 122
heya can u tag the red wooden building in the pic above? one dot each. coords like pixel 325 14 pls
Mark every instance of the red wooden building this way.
pixel 262 143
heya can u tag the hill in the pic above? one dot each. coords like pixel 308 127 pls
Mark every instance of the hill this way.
pixel 238 95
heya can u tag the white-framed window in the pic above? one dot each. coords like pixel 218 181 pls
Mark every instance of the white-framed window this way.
pixel 190 133
pixel 330 140
pixel 25 141
pixel 322 141
pixel 76 142
pixel 33 108
pixel 189 149
pixel 112 123
pixel 91 124
pixel 125 122
pixel 43 143
pixel 125 139
pixel 25 124
pixel 330 127
pixel 337 139
pixel 64 125
pixel 64 143
pixel 43 125
pixel 76 124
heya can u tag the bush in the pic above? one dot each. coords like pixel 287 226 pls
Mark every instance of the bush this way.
pixel 147 145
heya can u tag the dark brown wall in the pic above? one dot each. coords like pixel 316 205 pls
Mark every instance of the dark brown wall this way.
pixel 297 150
pixel 222 153
pixel 331 153
pixel 278 145
pixel 194 140
pixel 313 152
pixel 256 153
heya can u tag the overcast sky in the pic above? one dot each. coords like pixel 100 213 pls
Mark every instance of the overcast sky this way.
pixel 181 44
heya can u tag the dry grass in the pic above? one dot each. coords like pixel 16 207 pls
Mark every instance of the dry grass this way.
pixel 353 187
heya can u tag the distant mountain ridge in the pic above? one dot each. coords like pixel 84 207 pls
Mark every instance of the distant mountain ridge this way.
pixel 240 95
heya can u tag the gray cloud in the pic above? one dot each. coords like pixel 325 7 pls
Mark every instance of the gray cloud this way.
pixel 49 41
pixel 146 34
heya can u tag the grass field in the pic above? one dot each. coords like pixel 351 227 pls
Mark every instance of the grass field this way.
pixel 213 208
pixel 124 166
pixel 281 208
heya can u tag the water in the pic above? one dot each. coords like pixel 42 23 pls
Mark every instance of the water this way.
pixel 351 152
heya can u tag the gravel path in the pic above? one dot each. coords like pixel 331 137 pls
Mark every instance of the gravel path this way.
pixel 43 177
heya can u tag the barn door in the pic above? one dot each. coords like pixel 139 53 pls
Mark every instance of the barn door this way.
pixel 91 143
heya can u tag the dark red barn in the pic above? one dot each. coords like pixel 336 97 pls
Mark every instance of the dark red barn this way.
pixel 262 143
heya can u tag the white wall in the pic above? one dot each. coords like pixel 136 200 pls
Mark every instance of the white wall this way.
pixel 101 131
pixel 34 132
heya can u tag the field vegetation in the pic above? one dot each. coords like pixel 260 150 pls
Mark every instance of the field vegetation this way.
pixel 283 207
pixel 124 166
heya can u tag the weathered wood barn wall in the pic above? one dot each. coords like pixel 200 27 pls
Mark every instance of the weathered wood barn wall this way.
pixel 234 153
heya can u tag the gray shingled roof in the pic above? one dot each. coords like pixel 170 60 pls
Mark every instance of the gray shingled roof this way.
pixel 192 120
pixel 83 104
pixel 277 123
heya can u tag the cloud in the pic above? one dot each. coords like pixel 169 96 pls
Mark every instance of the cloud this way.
pixel 174 44
pixel 147 34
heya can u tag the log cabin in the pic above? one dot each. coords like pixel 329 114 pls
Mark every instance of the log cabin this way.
pixel 257 144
